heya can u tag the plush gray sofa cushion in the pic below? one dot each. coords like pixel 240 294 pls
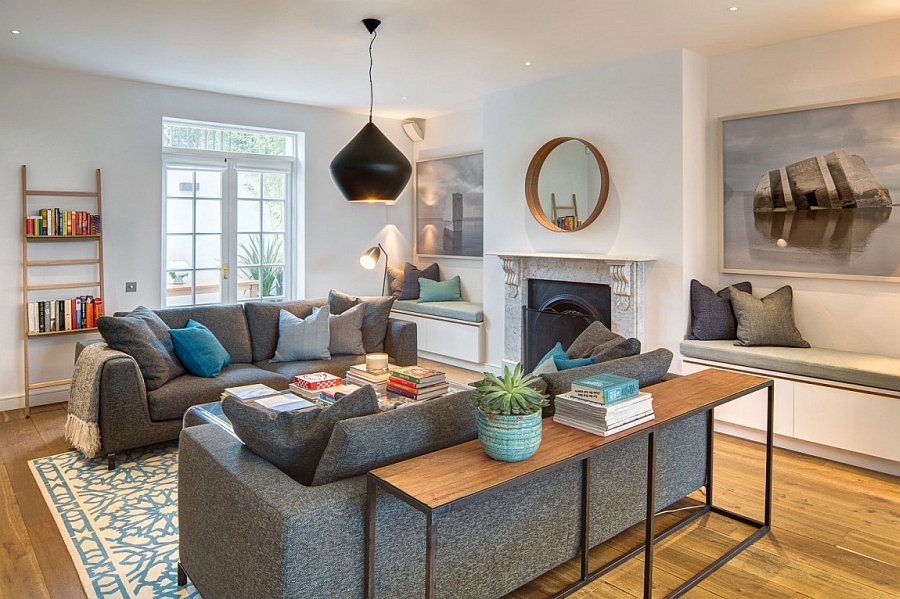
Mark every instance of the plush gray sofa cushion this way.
pixel 294 441
pixel 596 334
pixel 144 336
pixel 225 321
pixel 262 320
pixel 648 369
pixel 346 331
pixel 378 310
pixel 362 444
pixel 766 321
pixel 172 399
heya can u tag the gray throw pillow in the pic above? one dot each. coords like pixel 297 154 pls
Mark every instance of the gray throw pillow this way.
pixel 345 331
pixel 766 321
pixel 712 315
pixel 362 444
pixel 395 280
pixel 294 441
pixel 145 337
pixel 411 276
pixel 595 335
pixel 302 338
pixel 616 348
pixel 375 321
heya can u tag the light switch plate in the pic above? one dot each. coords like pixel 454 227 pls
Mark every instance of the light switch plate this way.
pixel 131 287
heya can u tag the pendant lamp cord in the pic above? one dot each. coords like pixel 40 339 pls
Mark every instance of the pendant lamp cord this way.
pixel 371 86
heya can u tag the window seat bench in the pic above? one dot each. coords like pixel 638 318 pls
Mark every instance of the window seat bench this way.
pixel 450 332
pixel 834 404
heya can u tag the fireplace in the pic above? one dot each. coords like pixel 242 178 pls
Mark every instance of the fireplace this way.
pixel 622 275
pixel 557 312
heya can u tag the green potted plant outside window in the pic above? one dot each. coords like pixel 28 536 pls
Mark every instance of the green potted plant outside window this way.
pixel 509 415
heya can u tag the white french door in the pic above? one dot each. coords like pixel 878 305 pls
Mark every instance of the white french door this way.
pixel 226 228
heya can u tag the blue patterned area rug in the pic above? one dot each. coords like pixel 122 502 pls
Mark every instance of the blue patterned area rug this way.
pixel 121 526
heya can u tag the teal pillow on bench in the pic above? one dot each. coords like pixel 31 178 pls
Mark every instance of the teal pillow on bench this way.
pixel 199 350
pixel 439 291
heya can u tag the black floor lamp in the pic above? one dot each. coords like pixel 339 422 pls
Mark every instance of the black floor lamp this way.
pixel 370 259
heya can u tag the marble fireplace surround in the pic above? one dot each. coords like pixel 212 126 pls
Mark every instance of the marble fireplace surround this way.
pixel 624 275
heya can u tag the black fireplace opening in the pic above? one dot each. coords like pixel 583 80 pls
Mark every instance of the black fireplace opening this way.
pixel 557 312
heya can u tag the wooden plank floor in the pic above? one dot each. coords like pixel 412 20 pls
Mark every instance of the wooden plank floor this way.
pixel 836 528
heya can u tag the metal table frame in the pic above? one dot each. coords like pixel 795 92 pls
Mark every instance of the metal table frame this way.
pixel 373 483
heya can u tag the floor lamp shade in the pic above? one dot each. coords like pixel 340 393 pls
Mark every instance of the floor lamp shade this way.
pixel 370 168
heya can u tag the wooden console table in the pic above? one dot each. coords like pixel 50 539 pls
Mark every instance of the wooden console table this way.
pixel 437 482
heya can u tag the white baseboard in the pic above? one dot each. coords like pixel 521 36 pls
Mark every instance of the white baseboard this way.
pixel 823 451
pixel 39 397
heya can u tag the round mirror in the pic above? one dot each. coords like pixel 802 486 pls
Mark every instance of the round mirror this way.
pixel 567 184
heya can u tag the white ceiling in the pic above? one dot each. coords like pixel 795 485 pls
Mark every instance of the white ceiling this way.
pixel 444 56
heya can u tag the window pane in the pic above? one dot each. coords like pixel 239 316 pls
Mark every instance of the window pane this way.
pixel 209 216
pixel 209 184
pixel 248 283
pixel 263 281
pixel 273 249
pixel 273 186
pixel 179 216
pixel 248 215
pixel 209 251
pixel 248 185
pixel 199 137
pixel 273 216
pixel 179 286
pixel 179 251
pixel 209 287
pixel 179 184
pixel 248 249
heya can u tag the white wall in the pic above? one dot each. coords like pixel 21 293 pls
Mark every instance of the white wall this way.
pixel 846 65
pixel 632 112
pixel 64 126
pixel 450 135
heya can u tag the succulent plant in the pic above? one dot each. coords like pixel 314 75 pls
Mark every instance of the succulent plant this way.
pixel 510 395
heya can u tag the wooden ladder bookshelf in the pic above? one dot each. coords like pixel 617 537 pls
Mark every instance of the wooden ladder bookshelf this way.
pixel 28 265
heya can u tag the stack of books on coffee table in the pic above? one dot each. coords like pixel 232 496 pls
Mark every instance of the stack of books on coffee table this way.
pixel 604 404
pixel 417 383
pixel 378 378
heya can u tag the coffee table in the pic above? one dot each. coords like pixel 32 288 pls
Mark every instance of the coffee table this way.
pixel 435 483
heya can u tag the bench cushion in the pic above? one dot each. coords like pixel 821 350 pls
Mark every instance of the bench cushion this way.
pixel 458 310
pixel 870 370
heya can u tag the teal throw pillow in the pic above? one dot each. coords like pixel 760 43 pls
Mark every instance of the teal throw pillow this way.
pixel 199 350
pixel 303 338
pixel 439 291
pixel 562 361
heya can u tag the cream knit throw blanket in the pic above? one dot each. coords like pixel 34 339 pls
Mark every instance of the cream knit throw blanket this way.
pixel 82 428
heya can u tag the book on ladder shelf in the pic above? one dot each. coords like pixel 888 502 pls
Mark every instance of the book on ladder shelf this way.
pixel 62 268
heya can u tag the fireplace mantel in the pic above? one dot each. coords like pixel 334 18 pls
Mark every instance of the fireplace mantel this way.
pixel 624 275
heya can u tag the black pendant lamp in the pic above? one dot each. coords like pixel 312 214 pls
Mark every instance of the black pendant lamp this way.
pixel 370 168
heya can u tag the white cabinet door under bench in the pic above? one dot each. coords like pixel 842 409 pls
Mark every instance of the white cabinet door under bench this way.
pixel 440 338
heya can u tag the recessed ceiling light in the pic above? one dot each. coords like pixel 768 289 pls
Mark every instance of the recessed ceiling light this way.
pixel 733 8
pixel 527 64
pixel 15 31
pixel 406 97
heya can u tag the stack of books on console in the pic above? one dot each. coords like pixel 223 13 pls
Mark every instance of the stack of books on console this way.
pixel 311 385
pixel 604 404
pixel 417 383
pixel 378 378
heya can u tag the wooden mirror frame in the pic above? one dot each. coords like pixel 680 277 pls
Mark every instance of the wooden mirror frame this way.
pixel 534 172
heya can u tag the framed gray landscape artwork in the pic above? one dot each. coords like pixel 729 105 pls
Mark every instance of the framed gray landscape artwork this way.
pixel 450 206
pixel 811 192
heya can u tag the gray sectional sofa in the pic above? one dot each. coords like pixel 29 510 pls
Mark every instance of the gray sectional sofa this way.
pixel 249 531
pixel 130 416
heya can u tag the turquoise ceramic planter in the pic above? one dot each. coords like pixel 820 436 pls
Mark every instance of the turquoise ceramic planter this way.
pixel 509 438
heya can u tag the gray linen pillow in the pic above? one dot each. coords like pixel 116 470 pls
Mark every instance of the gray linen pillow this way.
pixel 345 331
pixel 145 337
pixel 616 348
pixel 766 321
pixel 294 441
pixel 712 315
pixel 395 280
pixel 596 334
pixel 302 338
pixel 361 444
pixel 375 321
